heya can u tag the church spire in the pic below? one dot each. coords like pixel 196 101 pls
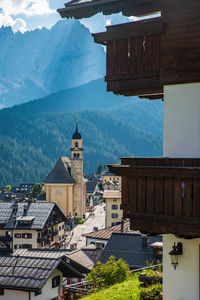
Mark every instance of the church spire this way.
pixel 76 135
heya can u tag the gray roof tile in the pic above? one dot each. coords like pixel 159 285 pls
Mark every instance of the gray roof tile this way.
pixel 129 247
pixel 40 211
pixel 61 173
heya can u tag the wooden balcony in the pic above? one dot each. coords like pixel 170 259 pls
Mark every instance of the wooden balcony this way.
pixel 133 58
pixel 161 195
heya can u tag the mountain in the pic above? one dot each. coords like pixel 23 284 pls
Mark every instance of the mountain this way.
pixel 40 62
pixel 33 135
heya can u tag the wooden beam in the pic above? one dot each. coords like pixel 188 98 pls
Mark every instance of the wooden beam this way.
pixel 172 172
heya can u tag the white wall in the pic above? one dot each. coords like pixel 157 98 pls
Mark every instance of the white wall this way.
pixel 14 295
pixel 181 138
pixel 182 120
pixel 90 240
pixel 182 283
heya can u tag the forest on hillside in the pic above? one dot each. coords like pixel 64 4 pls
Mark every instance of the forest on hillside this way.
pixel 35 134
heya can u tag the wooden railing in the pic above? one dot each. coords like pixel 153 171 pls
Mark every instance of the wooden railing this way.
pixel 161 195
pixel 133 57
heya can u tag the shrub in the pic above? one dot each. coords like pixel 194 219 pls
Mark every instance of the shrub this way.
pixel 78 221
pixel 152 292
pixel 105 275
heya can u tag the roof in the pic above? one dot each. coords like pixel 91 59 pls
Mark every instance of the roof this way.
pixel 80 257
pixel 105 234
pixel 41 253
pixel 93 253
pixel 87 8
pixel 111 194
pixel 30 273
pixel 90 186
pixel 35 215
pixel 76 135
pixel 129 247
pixel 54 253
pixel 61 173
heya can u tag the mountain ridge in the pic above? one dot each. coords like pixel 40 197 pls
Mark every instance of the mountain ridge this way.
pixel 33 135
pixel 48 60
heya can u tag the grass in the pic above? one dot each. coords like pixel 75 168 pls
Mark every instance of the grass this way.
pixel 129 289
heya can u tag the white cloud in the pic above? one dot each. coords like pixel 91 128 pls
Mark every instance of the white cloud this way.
pixel 26 7
pixel 17 25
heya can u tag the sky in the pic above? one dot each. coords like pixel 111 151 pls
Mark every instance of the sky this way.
pixel 23 15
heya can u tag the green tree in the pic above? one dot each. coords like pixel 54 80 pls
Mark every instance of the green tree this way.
pixel 104 275
pixel 36 190
pixel 7 188
pixel 99 170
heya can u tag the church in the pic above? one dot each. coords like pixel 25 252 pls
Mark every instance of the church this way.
pixel 65 184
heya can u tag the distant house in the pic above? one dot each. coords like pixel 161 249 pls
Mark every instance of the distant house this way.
pixel 91 189
pixel 30 225
pixel 100 238
pixel 34 274
pixel 136 249
pixel 111 177
pixel 84 262
pixel 113 201
pixel 111 185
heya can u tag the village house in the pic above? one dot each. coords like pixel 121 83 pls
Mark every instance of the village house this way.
pixel 113 213
pixel 65 184
pixel 100 237
pixel 31 225
pixel 35 274
pixel 158 58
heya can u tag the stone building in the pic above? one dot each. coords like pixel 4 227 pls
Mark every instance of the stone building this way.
pixel 65 184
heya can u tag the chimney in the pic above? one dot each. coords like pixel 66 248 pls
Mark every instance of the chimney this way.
pixel 14 208
pixel 144 241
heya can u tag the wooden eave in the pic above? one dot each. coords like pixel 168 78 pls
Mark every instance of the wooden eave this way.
pixel 107 7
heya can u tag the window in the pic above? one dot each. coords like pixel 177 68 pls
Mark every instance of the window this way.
pixel 114 216
pixel 55 281
pixel 75 214
pixel 18 235
pixel 26 246
pixel 58 192
pixel 17 246
pixel 63 226
pixel 113 224
pixel 114 206
pixel 27 235
pixel 60 227
pixel 115 200
pixel 78 155
pixel 74 155
pixel 76 144
pixel 38 234
pixel 1 291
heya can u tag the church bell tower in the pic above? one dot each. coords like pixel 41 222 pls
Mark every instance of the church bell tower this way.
pixel 77 173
